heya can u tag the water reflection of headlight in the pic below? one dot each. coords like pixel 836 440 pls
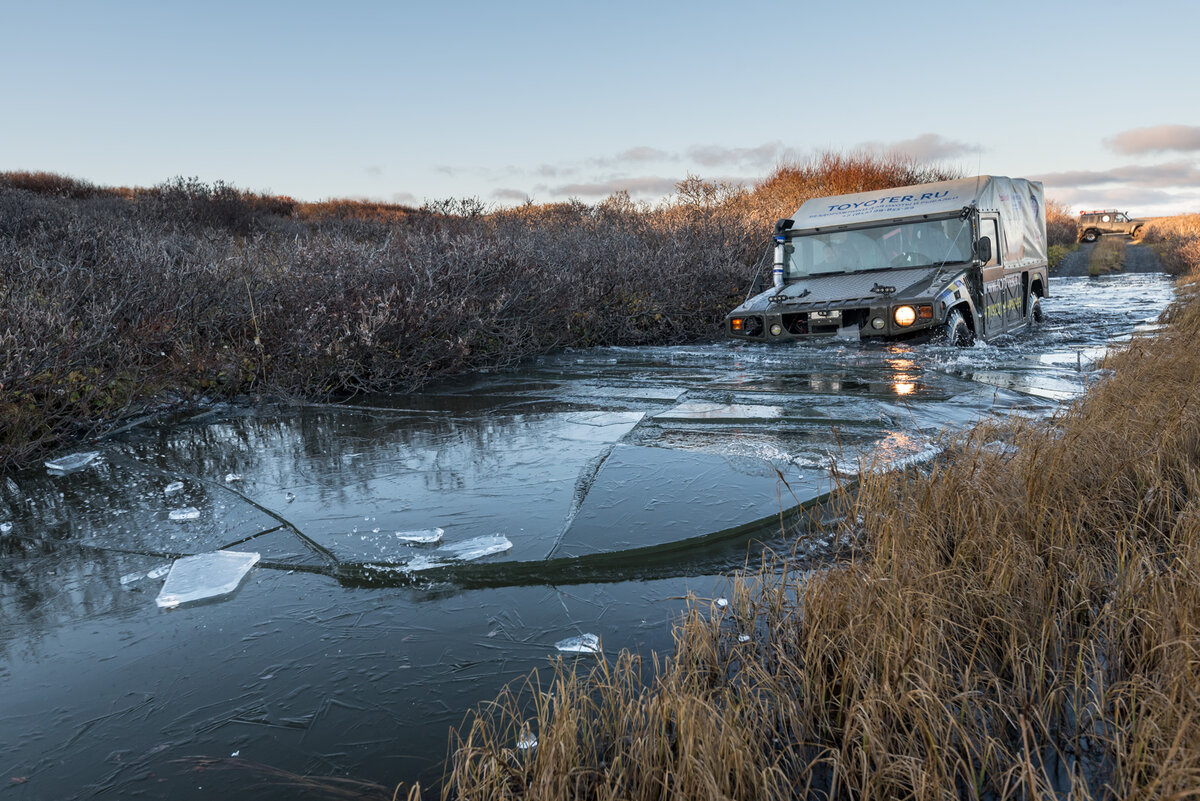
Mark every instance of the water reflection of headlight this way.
pixel 904 387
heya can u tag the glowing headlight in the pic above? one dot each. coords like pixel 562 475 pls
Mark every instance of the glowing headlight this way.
pixel 776 329
pixel 904 315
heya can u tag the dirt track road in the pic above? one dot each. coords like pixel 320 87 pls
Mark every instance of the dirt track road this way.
pixel 1138 259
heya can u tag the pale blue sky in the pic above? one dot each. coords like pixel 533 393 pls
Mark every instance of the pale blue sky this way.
pixel 407 101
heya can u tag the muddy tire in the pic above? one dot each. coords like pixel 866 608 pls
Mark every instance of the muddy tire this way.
pixel 1090 236
pixel 1037 314
pixel 955 330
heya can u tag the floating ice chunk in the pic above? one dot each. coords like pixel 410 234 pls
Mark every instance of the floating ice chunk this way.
pixel 999 448
pixel 457 552
pixel 722 603
pixel 583 644
pixel 476 548
pixel 158 572
pixel 173 487
pixel 129 578
pixel 743 638
pixel 206 575
pixel 425 536
pixel 291 496
pixel 231 478
pixel 526 740
pixel 5 527
pixel 186 513
pixel 72 462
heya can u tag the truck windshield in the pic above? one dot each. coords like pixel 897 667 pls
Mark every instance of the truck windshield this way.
pixel 891 245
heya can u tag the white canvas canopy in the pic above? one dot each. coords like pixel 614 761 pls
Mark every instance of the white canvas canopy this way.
pixel 1020 202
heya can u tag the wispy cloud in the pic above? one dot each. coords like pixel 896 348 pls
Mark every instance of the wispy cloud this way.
pixel 761 157
pixel 1173 174
pixel 404 198
pixel 634 155
pixel 646 185
pixel 926 147
pixel 373 171
pixel 1140 202
pixel 517 195
pixel 1156 139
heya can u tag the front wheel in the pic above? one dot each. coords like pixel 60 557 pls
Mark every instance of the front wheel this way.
pixel 1036 312
pixel 955 330
pixel 1090 236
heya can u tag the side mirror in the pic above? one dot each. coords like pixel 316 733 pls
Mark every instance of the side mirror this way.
pixel 983 250
pixel 781 226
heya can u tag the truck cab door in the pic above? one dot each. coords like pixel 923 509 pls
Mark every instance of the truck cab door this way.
pixel 992 309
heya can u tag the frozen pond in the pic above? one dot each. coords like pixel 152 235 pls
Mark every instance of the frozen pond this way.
pixel 417 552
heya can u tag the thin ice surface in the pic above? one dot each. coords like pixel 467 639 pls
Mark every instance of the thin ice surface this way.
pixel 204 576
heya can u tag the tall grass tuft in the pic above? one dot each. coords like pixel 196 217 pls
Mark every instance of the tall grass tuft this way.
pixel 1017 622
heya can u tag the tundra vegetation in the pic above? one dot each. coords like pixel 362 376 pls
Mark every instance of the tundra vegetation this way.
pixel 1020 620
pixel 1107 256
pixel 1062 232
pixel 118 301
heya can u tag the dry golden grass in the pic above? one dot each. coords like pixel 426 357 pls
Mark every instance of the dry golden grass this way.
pixel 1107 256
pixel 1176 240
pixel 1020 622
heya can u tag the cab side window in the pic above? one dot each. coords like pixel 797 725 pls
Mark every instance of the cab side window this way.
pixel 988 230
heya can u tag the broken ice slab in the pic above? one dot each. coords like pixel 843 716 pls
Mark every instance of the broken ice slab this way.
pixel 465 551
pixel 476 548
pixel 158 572
pixel 722 603
pixel 6 527
pixel 425 536
pixel 204 576
pixel 72 462
pixel 173 487
pixel 721 412
pixel 583 644
pixel 526 740
pixel 231 478
pixel 129 578
pixel 743 638
pixel 186 513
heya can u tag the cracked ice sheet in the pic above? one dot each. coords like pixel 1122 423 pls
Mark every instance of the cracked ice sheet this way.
pixel 649 497
pixel 118 505
pixel 358 479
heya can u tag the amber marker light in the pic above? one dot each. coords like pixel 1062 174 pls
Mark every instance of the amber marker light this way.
pixel 736 323
pixel 904 316
pixel 925 312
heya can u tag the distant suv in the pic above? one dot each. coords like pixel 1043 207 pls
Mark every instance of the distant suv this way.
pixel 1094 224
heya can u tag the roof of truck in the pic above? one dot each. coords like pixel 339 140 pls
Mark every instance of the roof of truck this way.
pixel 943 197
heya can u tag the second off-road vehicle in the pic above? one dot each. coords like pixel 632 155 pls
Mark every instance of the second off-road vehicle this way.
pixel 1095 224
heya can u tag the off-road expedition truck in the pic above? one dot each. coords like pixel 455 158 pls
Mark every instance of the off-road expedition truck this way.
pixel 954 260
pixel 1094 224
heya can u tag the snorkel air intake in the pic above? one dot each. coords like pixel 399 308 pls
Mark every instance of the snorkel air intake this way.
pixel 781 229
